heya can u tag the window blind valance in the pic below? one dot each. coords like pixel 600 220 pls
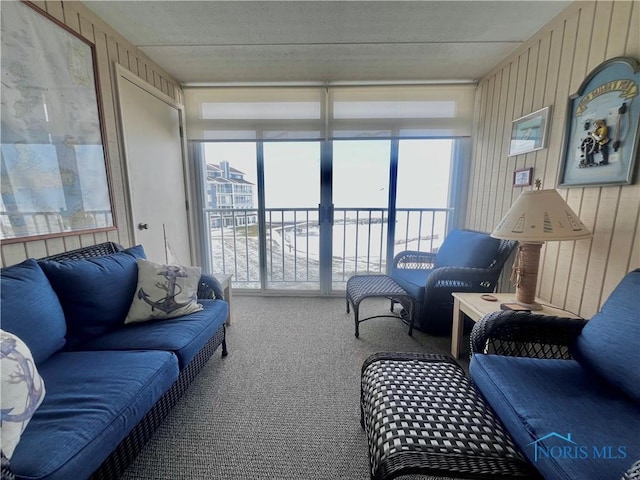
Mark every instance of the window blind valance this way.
pixel 327 112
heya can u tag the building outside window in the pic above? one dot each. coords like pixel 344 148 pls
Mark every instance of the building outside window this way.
pixel 228 189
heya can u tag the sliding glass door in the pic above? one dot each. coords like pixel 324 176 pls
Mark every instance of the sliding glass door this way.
pixel 230 206
pixel 307 215
pixel 291 220
pixel 360 192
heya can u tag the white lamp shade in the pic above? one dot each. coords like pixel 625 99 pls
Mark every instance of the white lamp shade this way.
pixel 540 216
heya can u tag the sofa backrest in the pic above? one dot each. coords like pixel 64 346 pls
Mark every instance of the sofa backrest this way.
pixel 31 309
pixel 466 248
pixel 95 293
pixel 609 344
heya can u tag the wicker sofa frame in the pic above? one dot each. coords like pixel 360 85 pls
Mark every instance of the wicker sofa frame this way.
pixel 526 334
pixel 127 450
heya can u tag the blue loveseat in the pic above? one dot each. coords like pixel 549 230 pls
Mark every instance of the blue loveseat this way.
pixel 108 385
pixel 568 391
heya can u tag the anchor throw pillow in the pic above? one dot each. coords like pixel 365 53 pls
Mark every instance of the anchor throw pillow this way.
pixel 22 390
pixel 164 291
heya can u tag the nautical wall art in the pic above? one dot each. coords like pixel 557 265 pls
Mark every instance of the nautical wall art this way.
pixel 601 138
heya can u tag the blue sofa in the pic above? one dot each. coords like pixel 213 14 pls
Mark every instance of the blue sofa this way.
pixel 108 385
pixel 567 391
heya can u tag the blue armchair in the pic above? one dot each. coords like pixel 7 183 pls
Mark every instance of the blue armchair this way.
pixel 467 261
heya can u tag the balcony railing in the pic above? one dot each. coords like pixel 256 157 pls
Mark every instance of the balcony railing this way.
pixel 292 240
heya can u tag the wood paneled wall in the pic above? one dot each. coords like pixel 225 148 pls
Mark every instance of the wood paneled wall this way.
pixel 550 66
pixel 110 47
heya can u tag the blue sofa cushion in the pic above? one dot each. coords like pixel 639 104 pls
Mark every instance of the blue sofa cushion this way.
pixel 569 423
pixel 463 248
pixel 184 336
pixel 95 293
pixel 93 400
pixel 412 280
pixel 609 344
pixel 31 309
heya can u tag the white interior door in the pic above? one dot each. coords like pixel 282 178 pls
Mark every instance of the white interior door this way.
pixel 155 169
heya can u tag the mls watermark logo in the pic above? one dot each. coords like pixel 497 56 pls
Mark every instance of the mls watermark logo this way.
pixel 565 448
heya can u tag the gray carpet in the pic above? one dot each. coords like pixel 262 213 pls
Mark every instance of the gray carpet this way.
pixel 284 403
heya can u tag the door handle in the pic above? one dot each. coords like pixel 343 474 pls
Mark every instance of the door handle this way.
pixel 143 226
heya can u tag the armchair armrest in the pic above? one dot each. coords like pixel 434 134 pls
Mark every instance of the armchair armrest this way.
pixel 209 287
pixel 462 279
pixel 413 259
pixel 524 334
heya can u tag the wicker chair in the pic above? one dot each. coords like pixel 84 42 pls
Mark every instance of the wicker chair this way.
pixel 431 279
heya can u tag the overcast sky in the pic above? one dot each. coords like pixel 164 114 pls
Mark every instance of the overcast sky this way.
pixel 360 177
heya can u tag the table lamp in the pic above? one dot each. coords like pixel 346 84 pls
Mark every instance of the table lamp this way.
pixel 537 216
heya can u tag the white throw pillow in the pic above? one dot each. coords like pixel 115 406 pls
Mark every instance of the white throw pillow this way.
pixel 164 291
pixel 22 389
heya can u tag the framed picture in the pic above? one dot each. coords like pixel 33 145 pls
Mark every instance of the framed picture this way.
pixel 54 174
pixel 601 139
pixel 522 177
pixel 529 133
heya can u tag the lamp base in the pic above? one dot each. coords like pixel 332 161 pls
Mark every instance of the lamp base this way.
pixel 525 269
pixel 530 306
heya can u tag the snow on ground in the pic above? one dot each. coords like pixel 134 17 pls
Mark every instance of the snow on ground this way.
pixel 289 264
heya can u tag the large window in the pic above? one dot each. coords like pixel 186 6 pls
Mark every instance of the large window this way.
pixel 281 183
pixel 308 186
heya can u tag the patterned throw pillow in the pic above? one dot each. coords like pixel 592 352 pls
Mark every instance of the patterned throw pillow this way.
pixel 164 291
pixel 22 390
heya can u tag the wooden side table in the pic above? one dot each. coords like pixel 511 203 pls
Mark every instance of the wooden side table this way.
pixel 225 283
pixel 474 307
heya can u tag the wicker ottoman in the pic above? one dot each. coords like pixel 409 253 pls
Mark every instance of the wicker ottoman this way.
pixel 360 287
pixel 421 415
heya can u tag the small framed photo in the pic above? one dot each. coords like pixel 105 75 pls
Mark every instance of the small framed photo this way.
pixel 522 177
pixel 529 133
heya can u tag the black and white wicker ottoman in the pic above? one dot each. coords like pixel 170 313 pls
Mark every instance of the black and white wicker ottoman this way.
pixel 360 287
pixel 422 415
